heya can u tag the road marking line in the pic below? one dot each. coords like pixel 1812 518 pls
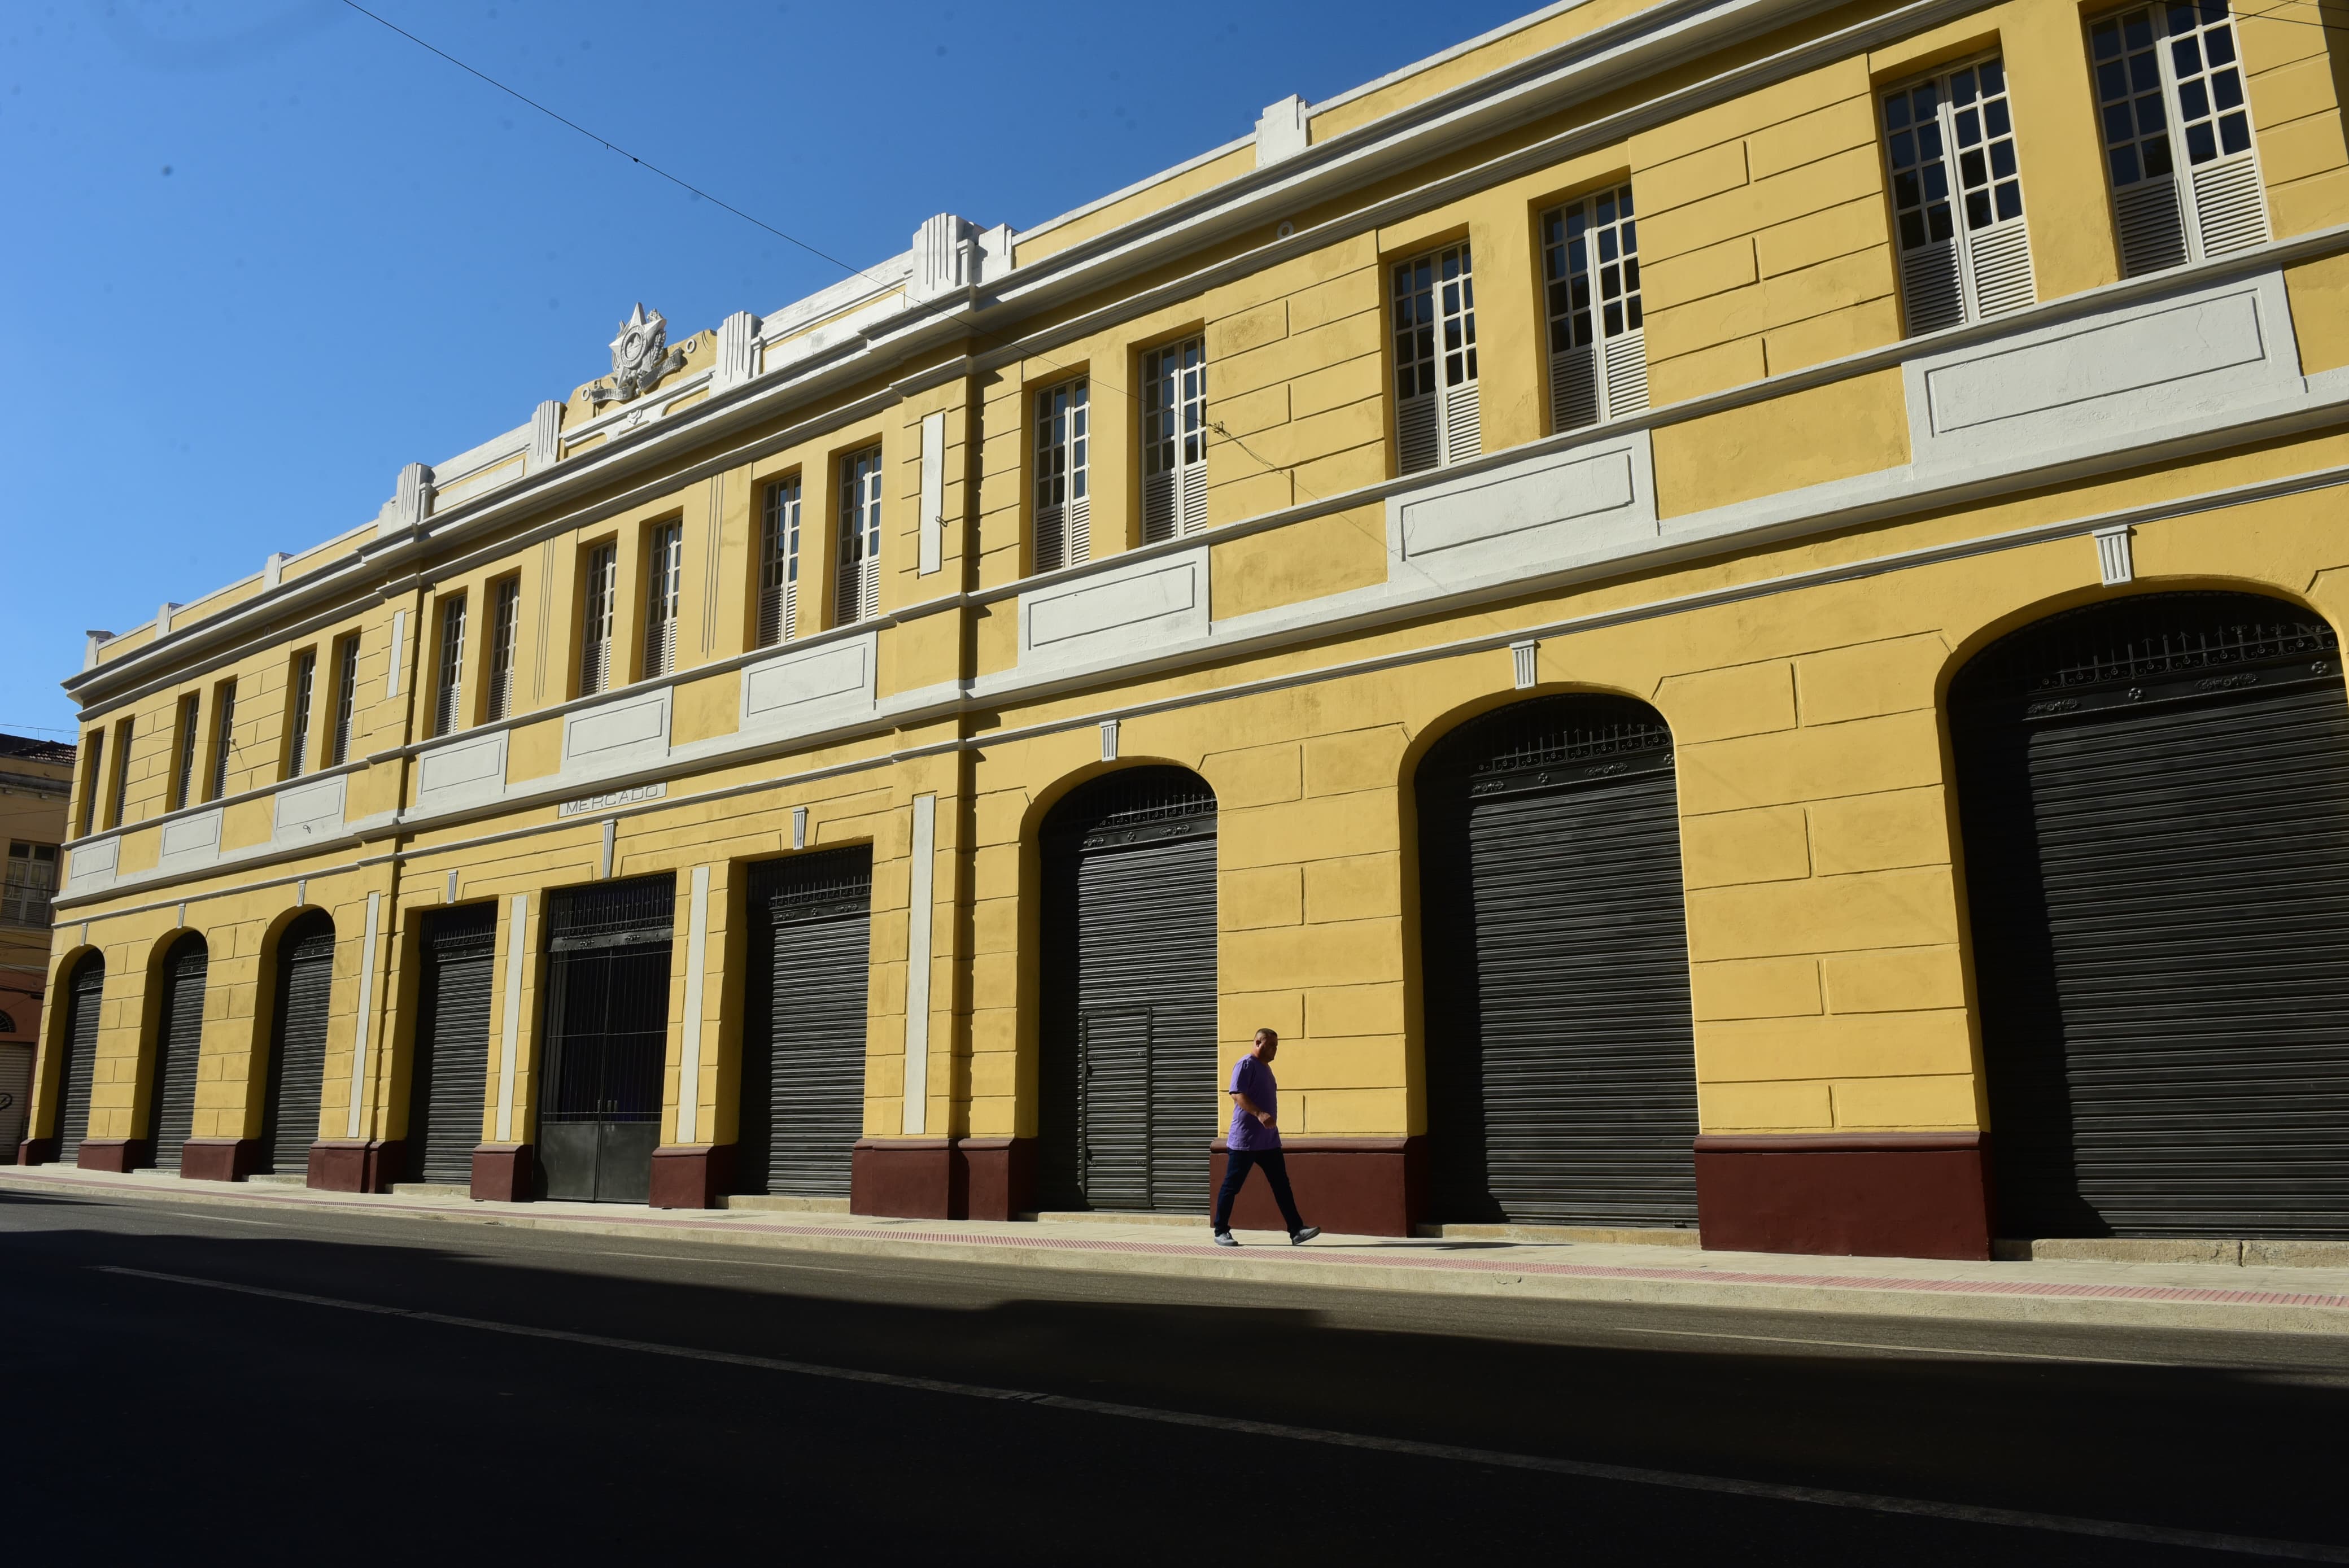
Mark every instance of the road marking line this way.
pixel 1922 1508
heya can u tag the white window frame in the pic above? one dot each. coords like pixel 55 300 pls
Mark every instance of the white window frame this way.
pixel 779 564
pixel 1956 185
pixel 124 735
pixel 297 739
pixel 30 885
pixel 183 775
pixel 1174 440
pixel 223 737
pixel 1598 324
pixel 506 637
pixel 346 697
pixel 1432 299
pixel 599 607
pixel 856 594
pixel 663 596
pixel 1062 475
pixel 2153 62
pixel 93 779
pixel 448 695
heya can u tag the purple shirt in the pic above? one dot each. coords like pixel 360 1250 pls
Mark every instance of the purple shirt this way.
pixel 1254 1079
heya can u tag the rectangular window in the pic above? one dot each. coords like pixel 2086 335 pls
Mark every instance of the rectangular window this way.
pixel 664 593
pixel 1064 530
pixel 1435 361
pixel 223 737
pixel 448 690
pixel 93 779
pixel 1957 198
pixel 120 799
pixel 1174 440
pixel 2177 134
pixel 1597 335
pixel 32 881
pixel 857 595
pixel 779 564
pixel 297 732
pixel 602 586
pixel 346 698
pixel 183 775
pixel 506 629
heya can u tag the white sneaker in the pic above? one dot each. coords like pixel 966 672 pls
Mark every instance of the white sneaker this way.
pixel 1298 1238
pixel 1223 1239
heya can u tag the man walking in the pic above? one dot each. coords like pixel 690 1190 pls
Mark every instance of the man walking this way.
pixel 1255 1140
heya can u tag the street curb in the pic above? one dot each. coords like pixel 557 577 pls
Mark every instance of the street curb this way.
pixel 1328 1265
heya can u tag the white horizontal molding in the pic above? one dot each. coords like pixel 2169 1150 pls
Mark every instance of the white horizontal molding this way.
pixel 189 843
pixel 303 811
pixel 1527 518
pixel 807 690
pixel 1131 611
pixel 2132 375
pixel 626 732
pixel 461 771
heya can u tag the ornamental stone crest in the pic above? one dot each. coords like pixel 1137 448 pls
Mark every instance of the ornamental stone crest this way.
pixel 640 357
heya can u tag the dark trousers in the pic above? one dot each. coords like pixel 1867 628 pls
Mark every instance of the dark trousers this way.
pixel 1237 1162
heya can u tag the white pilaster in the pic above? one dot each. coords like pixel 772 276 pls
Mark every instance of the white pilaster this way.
pixel 510 1044
pixel 918 967
pixel 934 491
pixel 361 1032
pixel 689 1061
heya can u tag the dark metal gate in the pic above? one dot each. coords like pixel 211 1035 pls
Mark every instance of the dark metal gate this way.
pixel 297 1042
pixel 1129 1096
pixel 607 1037
pixel 449 1085
pixel 1561 1058
pixel 2155 800
pixel 85 1002
pixel 804 1025
pixel 178 1043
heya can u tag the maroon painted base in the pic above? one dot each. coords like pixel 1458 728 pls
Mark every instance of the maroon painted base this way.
pixel 1354 1186
pixel 116 1154
pixel 1886 1194
pixel 992 1177
pixel 505 1173
pixel 690 1176
pixel 36 1152
pixel 219 1159
pixel 356 1164
pixel 904 1178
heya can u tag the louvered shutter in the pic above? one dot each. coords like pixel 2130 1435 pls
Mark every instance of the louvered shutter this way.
pixel 1997 266
pixel 1574 388
pixel 297 1044
pixel 178 1048
pixel 85 1004
pixel 449 1083
pixel 1195 496
pixel 2152 230
pixel 809 982
pixel 1463 434
pixel 1626 374
pixel 1419 433
pixel 1160 505
pixel 2230 208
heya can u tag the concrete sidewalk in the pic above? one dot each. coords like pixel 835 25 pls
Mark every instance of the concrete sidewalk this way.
pixel 2052 1290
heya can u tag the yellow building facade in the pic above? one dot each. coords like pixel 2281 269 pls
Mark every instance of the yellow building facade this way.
pixel 1725 616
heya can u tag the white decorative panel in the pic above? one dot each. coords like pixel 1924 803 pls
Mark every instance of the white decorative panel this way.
pixel 191 841
pixel 2119 378
pixel 312 810
pixel 458 773
pixel 1530 517
pixel 808 688
pixel 617 734
pixel 1127 612
pixel 89 867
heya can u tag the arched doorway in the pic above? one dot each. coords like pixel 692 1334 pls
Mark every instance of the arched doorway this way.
pixel 1561 1064
pixel 2154 793
pixel 77 1048
pixel 297 1042
pixel 1127 1023
pixel 179 1046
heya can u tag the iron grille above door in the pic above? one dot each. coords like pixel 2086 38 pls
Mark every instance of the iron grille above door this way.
pixel 1957 198
pixel 1561 1064
pixel 1127 1022
pixel 2155 798
pixel 449 1083
pixel 608 951
pixel 803 1029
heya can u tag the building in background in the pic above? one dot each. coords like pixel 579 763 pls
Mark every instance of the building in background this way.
pixel 36 780
pixel 1726 614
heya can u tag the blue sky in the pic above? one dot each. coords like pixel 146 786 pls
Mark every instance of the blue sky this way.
pixel 265 252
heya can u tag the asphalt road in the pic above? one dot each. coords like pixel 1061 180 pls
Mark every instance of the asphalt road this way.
pixel 283 1386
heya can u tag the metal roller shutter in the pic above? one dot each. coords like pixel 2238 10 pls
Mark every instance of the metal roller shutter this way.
pixel 297 1044
pixel 15 1096
pixel 179 1043
pixel 1561 1054
pixel 607 1038
pixel 85 1000
pixel 2155 796
pixel 804 1059
pixel 450 1080
pixel 1129 1100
